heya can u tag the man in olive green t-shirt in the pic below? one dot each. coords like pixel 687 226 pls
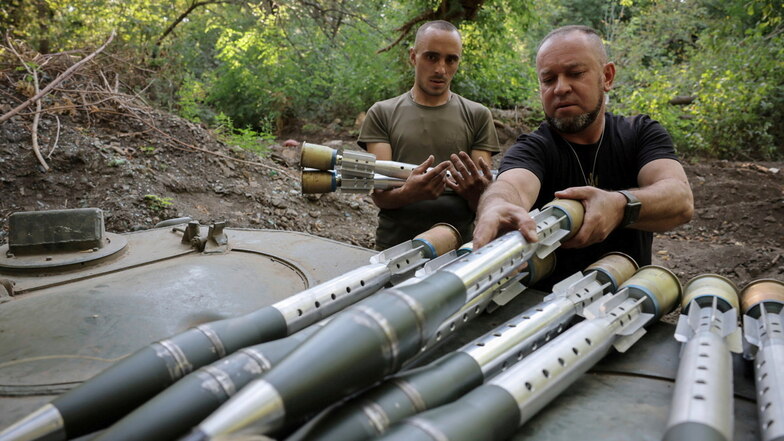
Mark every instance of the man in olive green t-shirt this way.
pixel 431 125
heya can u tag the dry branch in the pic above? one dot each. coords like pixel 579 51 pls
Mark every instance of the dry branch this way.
pixel 37 117
pixel 56 138
pixel 96 94
pixel 60 78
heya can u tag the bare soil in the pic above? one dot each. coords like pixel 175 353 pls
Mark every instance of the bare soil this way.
pixel 139 177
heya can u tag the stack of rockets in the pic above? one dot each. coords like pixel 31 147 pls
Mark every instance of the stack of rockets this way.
pixel 348 171
pixel 333 362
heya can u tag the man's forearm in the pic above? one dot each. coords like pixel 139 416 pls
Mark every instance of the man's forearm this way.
pixel 665 205
pixel 391 199
pixel 501 192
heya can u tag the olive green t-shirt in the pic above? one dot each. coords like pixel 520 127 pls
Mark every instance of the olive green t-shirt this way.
pixel 415 132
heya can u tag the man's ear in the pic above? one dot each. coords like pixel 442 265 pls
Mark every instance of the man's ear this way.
pixel 412 56
pixel 609 76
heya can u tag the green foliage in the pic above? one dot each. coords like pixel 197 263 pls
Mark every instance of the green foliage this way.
pixel 495 70
pixel 733 68
pixel 190 99
pixel 116 162
pixel 157 203
pixel 247 138
pixel 265 66
pixel 299 70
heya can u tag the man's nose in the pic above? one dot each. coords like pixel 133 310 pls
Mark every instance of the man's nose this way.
pixel 441 67
pixel 562 85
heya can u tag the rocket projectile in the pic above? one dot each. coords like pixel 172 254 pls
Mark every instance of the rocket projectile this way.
pixel 763 325
pixel 315 181
pixel 451 376
pixel 353 167
pixel 702 403
pixel 187 402
pixel 140 376
pixel 493 412
pixel 708 328
pixel 350 163
pixel 375 337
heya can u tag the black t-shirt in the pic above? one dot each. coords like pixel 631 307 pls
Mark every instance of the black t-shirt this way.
pixel 628 144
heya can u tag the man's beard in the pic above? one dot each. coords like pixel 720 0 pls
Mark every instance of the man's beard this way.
pixel 577 123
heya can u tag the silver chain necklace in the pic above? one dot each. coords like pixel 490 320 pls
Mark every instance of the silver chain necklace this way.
pixel 591 180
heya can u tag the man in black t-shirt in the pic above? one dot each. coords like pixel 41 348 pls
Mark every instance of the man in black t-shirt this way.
pixel 623 170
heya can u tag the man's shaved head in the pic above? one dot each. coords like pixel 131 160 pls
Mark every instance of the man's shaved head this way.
pixel 590 33
pixel 441 25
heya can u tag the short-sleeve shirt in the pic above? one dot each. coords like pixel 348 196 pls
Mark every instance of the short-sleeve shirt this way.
pixel 627 145
pixel 415 132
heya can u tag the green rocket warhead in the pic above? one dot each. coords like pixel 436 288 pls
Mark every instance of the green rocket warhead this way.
pixel 140 376
pixel 384 331
pixel 453 375
pixel 494 411
pixel 702 403
pixel 173 412
pixel 762 302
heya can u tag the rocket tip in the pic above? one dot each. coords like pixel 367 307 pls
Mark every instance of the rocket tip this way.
pixel 196 435
pixel 44 422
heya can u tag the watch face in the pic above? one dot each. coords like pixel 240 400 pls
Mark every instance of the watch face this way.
pixel 632 212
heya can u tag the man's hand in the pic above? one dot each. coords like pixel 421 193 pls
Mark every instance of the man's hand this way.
pixel 422 184
pixel 603 214
pixel 468 180
pixel 500 217
pixel 504 207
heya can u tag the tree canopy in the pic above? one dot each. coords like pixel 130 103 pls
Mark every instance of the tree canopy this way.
pixel 712 71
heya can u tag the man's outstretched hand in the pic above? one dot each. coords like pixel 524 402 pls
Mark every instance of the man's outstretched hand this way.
pixel 468 180
pixel 424 184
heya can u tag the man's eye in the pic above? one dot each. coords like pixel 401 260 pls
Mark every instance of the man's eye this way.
pixel 432 57
pixel 577 74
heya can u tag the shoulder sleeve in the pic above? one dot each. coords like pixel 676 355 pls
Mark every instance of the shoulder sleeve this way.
pixel 485 137
pixel 653 140
pixel 528 152
pixel 375 127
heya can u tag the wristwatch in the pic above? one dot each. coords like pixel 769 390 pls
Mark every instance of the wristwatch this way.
pixel 631 212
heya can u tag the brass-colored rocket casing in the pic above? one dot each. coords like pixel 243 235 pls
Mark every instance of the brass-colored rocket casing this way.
pixel 573 209
pixel 662 286
pixel 539 268
pixel 762 290
pixel 710 285
pixel 317 156
pixel 442 237
pixel 318 182
pixel 615 267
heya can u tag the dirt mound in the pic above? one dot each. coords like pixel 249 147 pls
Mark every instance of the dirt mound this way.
pixel 139 179
pixel 737 228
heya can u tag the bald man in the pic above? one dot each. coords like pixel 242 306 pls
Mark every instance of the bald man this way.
pixel 623 169
pixel 431 126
